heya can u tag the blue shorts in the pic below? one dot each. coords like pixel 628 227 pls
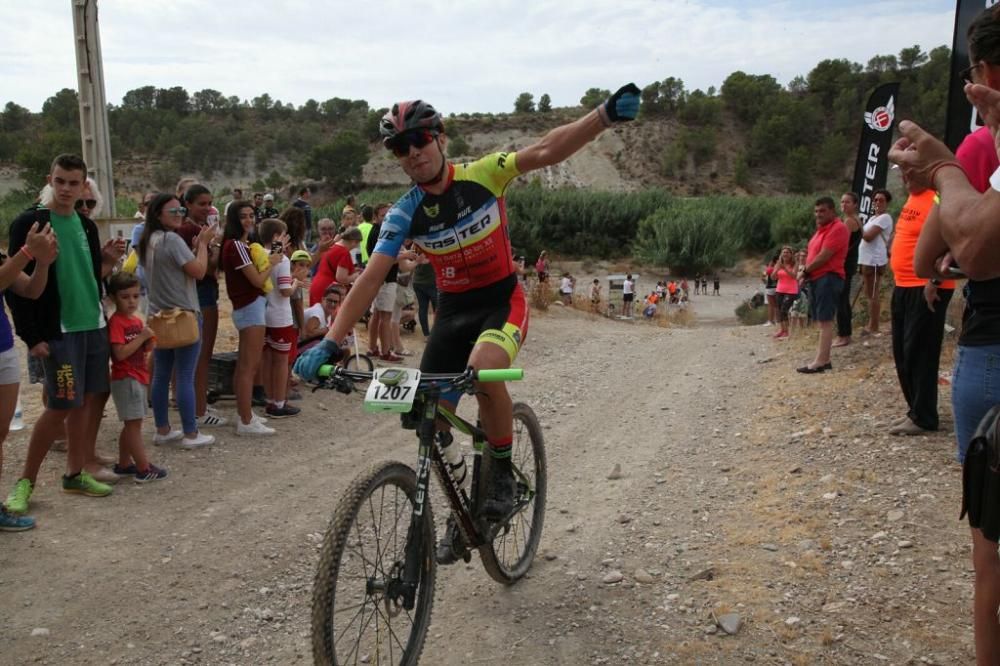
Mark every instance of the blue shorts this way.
pixel 824 296
pixel 208 293
pixel 250 315
pixel 975 387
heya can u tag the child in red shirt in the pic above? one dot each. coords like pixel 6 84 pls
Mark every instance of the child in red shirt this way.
pixel 131 341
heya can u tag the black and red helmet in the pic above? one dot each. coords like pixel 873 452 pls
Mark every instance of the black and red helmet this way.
pixel 411 115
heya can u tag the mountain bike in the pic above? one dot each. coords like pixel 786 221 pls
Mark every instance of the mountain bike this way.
pixel 374 584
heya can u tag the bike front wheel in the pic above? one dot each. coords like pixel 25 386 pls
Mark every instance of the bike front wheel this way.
pixel 358 362
pixel 509 556
pixel 357 616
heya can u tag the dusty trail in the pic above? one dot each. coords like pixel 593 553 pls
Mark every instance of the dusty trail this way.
pixel 215 564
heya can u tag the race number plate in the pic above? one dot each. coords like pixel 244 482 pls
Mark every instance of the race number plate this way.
pixel 392 390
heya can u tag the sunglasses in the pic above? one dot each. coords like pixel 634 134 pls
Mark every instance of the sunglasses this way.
pixel 85 203
pixel 966 74
pixel 180 211
pixel 401 143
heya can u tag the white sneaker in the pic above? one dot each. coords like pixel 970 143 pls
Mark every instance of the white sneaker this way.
pixel 257 418
pixel 253 428
pixel 198 441
pixel 211 419
pixel 171 436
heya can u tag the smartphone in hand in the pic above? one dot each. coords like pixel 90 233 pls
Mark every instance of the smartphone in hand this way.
pixel 277 247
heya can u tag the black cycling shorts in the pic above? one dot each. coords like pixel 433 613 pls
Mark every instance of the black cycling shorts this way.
pixel 497 313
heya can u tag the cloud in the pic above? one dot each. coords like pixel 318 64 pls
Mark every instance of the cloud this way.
pixel 471 56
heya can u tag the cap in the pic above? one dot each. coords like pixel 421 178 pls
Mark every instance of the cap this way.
pixel 268 197
pixel 301 255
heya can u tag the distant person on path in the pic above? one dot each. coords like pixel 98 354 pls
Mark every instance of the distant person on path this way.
pixel 824 269
pixel 628 295
pixel 715 286
pixel 542 268
pixel 704 285
pixel 849 208
pixel 425 290
pixel 566 289
pixel 258 206
pixel 595 296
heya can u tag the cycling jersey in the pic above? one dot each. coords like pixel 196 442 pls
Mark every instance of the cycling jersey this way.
pixel 463 231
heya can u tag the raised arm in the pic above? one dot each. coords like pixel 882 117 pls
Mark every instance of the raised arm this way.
pixel 565 140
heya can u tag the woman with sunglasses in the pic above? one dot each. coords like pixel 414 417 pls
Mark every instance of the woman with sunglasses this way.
pixel 245 286
pixel 171 268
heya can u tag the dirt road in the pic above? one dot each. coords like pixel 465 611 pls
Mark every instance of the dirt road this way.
pixel 744 490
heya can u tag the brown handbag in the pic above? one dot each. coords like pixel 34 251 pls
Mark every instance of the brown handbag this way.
pixel 174 328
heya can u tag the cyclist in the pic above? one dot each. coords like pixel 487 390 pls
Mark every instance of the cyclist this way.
pixel 455 214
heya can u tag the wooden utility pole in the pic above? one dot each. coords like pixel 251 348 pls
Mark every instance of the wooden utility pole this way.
pixel 93 104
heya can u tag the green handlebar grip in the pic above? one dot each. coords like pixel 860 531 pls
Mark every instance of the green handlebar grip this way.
pixel 500 375
pixel 325 371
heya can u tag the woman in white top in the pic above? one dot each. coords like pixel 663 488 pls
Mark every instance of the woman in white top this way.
pixel 873 255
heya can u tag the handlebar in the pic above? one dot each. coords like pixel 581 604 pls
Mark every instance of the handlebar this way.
pixel 343 379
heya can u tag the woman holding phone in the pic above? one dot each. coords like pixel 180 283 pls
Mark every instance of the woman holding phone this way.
pixel 245 284
pixel 201 214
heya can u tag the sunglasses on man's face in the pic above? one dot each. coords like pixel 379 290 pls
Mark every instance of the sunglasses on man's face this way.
pixel 85 203
pixel 401 143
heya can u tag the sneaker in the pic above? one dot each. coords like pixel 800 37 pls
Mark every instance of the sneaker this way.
pixel 12 523
pixel 124 471
pixel 451 548
pixel 253 428
pixel 154 473
pixel 391 357
pixel 17 501
pixel 256 418
pixel 171 436
pixel 500 497
pixel 198 441
pixel 211 419
pixel 282 412
pixel 104 475
pixel 85 484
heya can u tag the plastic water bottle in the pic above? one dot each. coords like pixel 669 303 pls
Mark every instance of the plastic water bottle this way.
pixel 452 453
pixel 17 423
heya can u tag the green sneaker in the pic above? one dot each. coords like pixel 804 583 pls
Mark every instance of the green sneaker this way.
pixel 85 484
pixel 17 501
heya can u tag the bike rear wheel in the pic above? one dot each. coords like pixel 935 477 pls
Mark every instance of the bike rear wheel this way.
pixel 508 557
pixel 354 618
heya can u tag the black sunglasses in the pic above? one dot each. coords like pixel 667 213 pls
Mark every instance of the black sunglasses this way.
pixel 89 203
pixel 400 144
pixel 966 74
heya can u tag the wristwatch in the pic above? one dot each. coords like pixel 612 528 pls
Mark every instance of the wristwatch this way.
pixel 935 282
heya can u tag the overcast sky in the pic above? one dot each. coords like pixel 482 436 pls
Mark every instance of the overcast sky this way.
pixel 462 56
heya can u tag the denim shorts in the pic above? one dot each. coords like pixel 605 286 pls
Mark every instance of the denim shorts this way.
pixel 975 387
pixel 208 293
pixel 250 315
pixel 824 296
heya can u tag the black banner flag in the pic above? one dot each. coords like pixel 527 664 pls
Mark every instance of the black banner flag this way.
pixel 872 165
pixel 961 118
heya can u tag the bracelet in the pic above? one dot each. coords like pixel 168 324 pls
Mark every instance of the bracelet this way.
pixel 995 180
pixel 24 250
pixel 942 165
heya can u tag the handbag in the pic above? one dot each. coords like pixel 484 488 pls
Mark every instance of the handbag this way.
pixel 173 327
pixel 981 477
